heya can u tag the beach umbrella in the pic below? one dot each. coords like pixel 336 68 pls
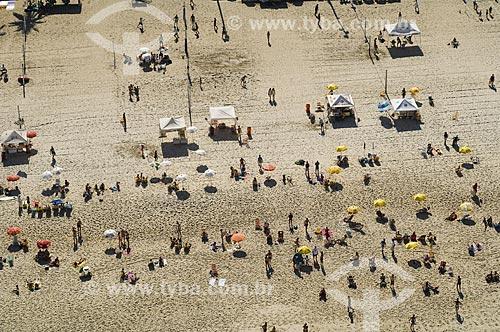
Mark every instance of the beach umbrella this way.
pixel 31 134
pixel 412 245
pixel 200 152
pixel 466 206
pixel 465 149
pixel 334 170
pixel 324 232
pixel 304 250
pixel 144 50
pixel 43 244
pixel 47 175
pixel 12 231
pixel 414 90
pixel 209 173
pixel 379 202
pixel 57 170
pixel 332 87
pixel 191 129
pixel 341 148
pixel 268 167
pixel 110 233
pixel 238 237
pixel 383 106
pixel 156 165
pixel 353 209
pixel 13 178
pixel 181 178
pixel 419 197
pixel 57 201
pixel 166 163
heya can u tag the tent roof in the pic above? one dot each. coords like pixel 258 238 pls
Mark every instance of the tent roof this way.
pixel 13 137
pixel 339 101
pixel 402 28
pixel 222 113
pixel 404 105
pixel 172 124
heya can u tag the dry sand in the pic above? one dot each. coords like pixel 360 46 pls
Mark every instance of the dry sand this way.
pixel 75 102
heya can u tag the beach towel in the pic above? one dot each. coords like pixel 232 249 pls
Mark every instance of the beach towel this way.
pixel 212 281
pixel 222 282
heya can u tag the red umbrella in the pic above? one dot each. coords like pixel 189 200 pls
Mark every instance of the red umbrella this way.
pixel 13 230
pixel 43 244
pixel 13 177
pixel 268 167
pixel 31 134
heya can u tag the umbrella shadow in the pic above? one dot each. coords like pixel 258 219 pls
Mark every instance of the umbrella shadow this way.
pixel 193 146
pixel 239 254
pixel 477 200
pixel 167 180
pixel 14 248
pixel 416 264
pixel 423 215
pixel 306 269
pixel 468 222
pixel 110 251
pixel 386 122
pixel 48 192
pixel 460 319
pixel 27 22
pixel 336 187
pixel 85 278
pixel 211 189
pixel 201 168
pixel 468 166
pixel 155 180
pixel 22 174
pixel 270 183
pixel 182 195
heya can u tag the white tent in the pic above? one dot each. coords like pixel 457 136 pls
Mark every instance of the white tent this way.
pixel 14 140
pixel 7 5
pixel 404 105
pixel 222 113
pixel 340 101
pixel 402 28
pixel 177 124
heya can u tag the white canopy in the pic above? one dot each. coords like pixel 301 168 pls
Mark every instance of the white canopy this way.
pixel 404 105
pixel 340 101
pixel 14 137
pixel 172 124
pixel 402 28
pixel 222 113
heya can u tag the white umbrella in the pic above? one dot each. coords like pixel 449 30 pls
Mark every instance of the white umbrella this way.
pixel 200 152
pixel 47 175
pixel 144 50
pixel 191 130
pixel 209 173
pixel 110 233
pixel 166 163
pixel 57 170
pixel 181 177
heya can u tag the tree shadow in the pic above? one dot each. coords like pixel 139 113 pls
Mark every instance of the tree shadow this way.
pixel 32 20
pixel 2 33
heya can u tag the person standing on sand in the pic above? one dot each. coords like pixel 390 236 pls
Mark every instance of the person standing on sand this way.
pixel 136 92
pixel 321 255
pixel 216 28
pixel 268 38
pixel 79 228
pixel 459 284
pixel 403 93
pixel 156 155
pixel 491 83
pixel 124 121
pixel 264 327
pixel 306 225
pixel 130 92
pixel 270 94
pixel 316 168
pixel 140 26
pixel 445 138
pixel 307 169
pixel 316 10
pixel 75 241
pixel 260 161
pixel 474 190
pixel 413 322
pixel 290 222
pixel 52 152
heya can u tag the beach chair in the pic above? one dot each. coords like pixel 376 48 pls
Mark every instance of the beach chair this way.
pixel 213 271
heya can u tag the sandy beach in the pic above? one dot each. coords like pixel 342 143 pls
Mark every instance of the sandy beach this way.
pixel 75 100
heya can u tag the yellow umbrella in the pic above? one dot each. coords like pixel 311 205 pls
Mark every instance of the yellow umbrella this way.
pixel 465 149
pixel 414 90
pixel 412 245
pixel 304 250
pixel 341 148
pixel 334 170
pixel 332 87
pixel 466 206
pixel 420 197
pixel 353 209
pixel 379 202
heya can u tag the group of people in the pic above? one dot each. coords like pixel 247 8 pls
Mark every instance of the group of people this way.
pixel 133 91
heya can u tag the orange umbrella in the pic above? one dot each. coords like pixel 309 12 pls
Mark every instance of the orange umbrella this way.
pixel 13 178
pixel 13 230
pixel 31 134
pixel 268 167
pixel 238 237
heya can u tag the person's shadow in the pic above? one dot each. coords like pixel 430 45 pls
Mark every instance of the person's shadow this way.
pixel 460 319
pixel 53 162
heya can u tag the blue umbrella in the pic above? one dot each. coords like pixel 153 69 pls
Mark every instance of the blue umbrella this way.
pixel 57 201
pixel 297 258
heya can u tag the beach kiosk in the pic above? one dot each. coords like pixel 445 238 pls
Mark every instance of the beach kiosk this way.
pixel 340 105
pixel 14 141
pixel 405 108
pixel 175 124
pixel 222 117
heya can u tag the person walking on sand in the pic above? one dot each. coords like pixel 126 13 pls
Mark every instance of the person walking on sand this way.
pixel 417 8
pixel 474 190
pixel 321 256
pixel 306 224
pixel 290 222
pixel 140 26
pixel 273 92
pixel 270 94
pixel 321 126
pixel 136 92
pixel 445 138
pixel 75 240
pixel 268 258
pixel 413 322
pixel 459 284
pixel 124 121
pixel 264 327
pixel 260 161
pixel 79 229
pixel 52 152
pixel 307 169
pixel 491 83
pixel 156 155
pixel 216 28
pixel 316 10
pixel 130 92
pixel 268 38
pixel 316 168
pixel 403 93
